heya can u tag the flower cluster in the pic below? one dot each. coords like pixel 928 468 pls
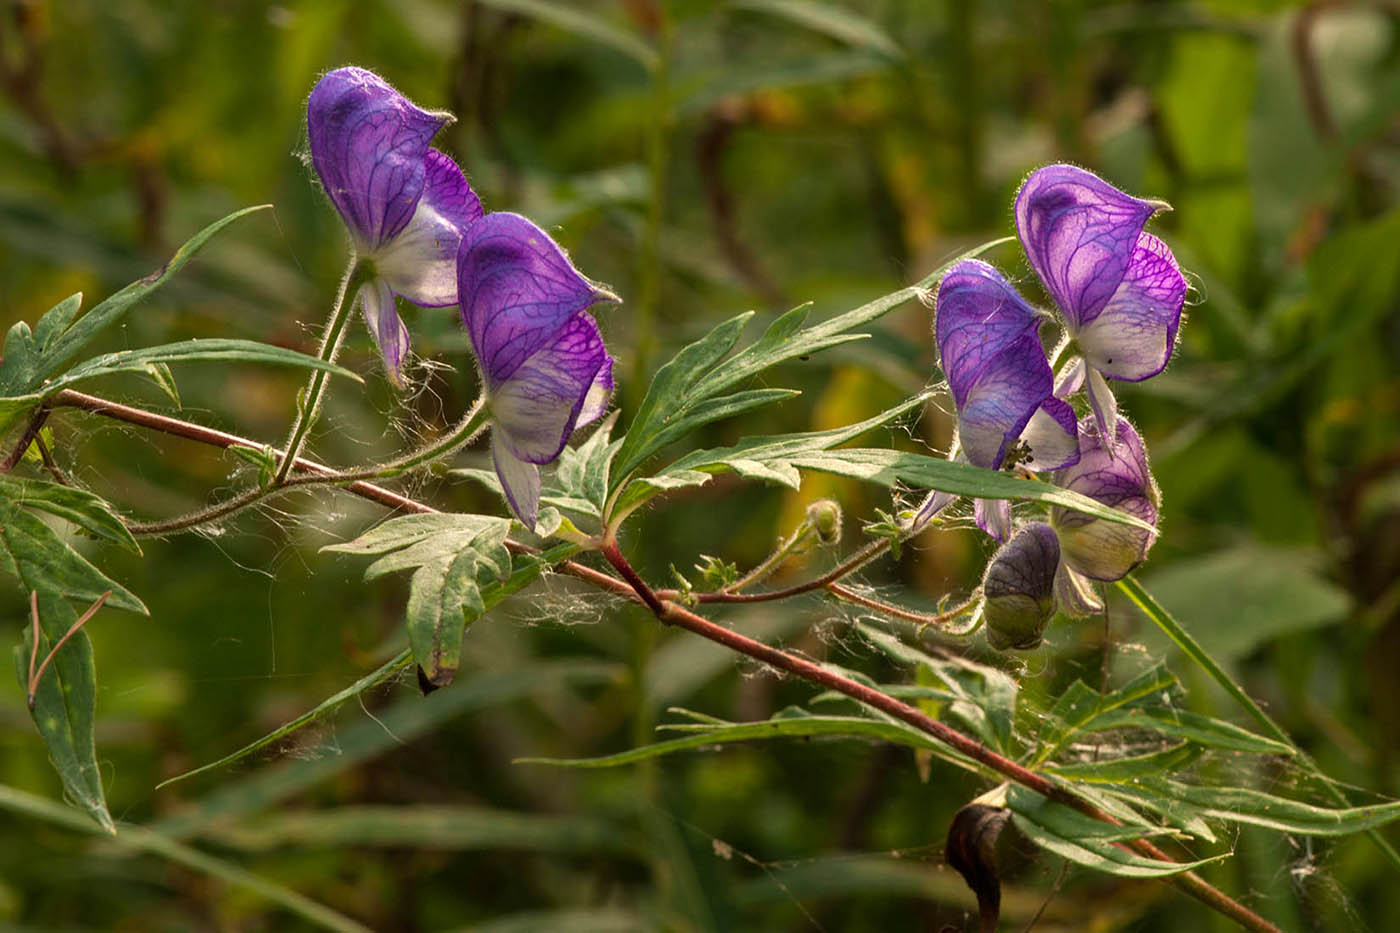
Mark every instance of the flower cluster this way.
pixel 1119 294
pixel 418 231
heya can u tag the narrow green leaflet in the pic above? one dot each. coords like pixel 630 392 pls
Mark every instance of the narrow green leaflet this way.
pixel 56 320
pixel 1089 842
pixel 91 513
pixel 65 342
pixel 385 672
pixel 1129 768
pixel 1080 704
pixel 188 351
pixel 1183 724
pixel 709 735
pixel 428 827
pixel 32 551
pixel 452 557
pixel 890 468
pixel 985 698
pixel 65 705
pixel 1243 805
pixel 765 458
pixel 583 471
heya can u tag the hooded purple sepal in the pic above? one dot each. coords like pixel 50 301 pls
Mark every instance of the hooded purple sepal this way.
pixel 993 516
pixel 542 359
pixel 1120 289
pixel 517 289
pixel 996 369
pixel 369 145
pixel 1019 588
pixel 1117 477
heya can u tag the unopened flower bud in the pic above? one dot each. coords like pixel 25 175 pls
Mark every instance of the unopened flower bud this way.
pixel 824 516
pixel 1117 477
pixel 1019 588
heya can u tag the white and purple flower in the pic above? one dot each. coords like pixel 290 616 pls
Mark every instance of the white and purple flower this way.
pixel 989 345
pixel 1119 289
pixel 1093 548
pixel 543 363
pixel 405 204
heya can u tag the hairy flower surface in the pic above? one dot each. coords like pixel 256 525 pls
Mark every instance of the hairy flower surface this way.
pixel 989 348
pixel 1119 288
pixel 543 362
pixel 1117 476
pixel 1019 587
pixel 405 204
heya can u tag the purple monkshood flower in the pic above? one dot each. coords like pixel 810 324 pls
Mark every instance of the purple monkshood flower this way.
pixel 1093 548
pixel 405 204
pixel 1019 587
pixel 543 363
pixel 1119 289
pixel 989 347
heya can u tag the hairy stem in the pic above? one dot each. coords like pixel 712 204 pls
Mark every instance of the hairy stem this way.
pixel 632 586
pixel 309 405
pixel 30 435
pixel 673 614
pixel 937 619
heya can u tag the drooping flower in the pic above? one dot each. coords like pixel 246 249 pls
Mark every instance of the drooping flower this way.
pixel 405 204
pixel 1019 587
pixel 1119 289
pixel 989 347
pixel 543 363
pixel 1094 548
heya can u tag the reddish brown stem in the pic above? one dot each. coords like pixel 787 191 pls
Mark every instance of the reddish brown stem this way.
pixel 635 588
pixel 31 431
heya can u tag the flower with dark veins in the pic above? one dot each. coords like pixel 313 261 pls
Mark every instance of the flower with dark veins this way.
pixel 405 204
pixel 1094 548
pixel 543 363
pixel 1119 288
pixel 1018 589
pixel 989 347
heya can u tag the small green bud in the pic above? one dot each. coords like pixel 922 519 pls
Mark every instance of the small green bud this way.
pixel 824 516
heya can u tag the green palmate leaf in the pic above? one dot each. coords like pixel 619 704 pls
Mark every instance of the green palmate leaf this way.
pixel 582 471
pixel 763 458
pixel 582 23
pixel 56 321
pixel 63 344
pixel 708 735
pixel 65 704
pixel 691 388
pixel 1080 704
pixel 188 351
pixel 1089 842
pixel 428 827
pixel 401 722
pixel 837 22
pixel 984 697
pixel 91 513
pixel 452 556
pixel 1243 805
pixel 20 361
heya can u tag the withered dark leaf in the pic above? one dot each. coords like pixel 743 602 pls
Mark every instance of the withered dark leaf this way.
pixel 971 849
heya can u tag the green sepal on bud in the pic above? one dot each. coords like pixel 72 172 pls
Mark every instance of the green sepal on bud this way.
pixel 1019 588
pixel 824 517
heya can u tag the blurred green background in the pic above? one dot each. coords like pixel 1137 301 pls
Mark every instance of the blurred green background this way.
pixel 702 159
